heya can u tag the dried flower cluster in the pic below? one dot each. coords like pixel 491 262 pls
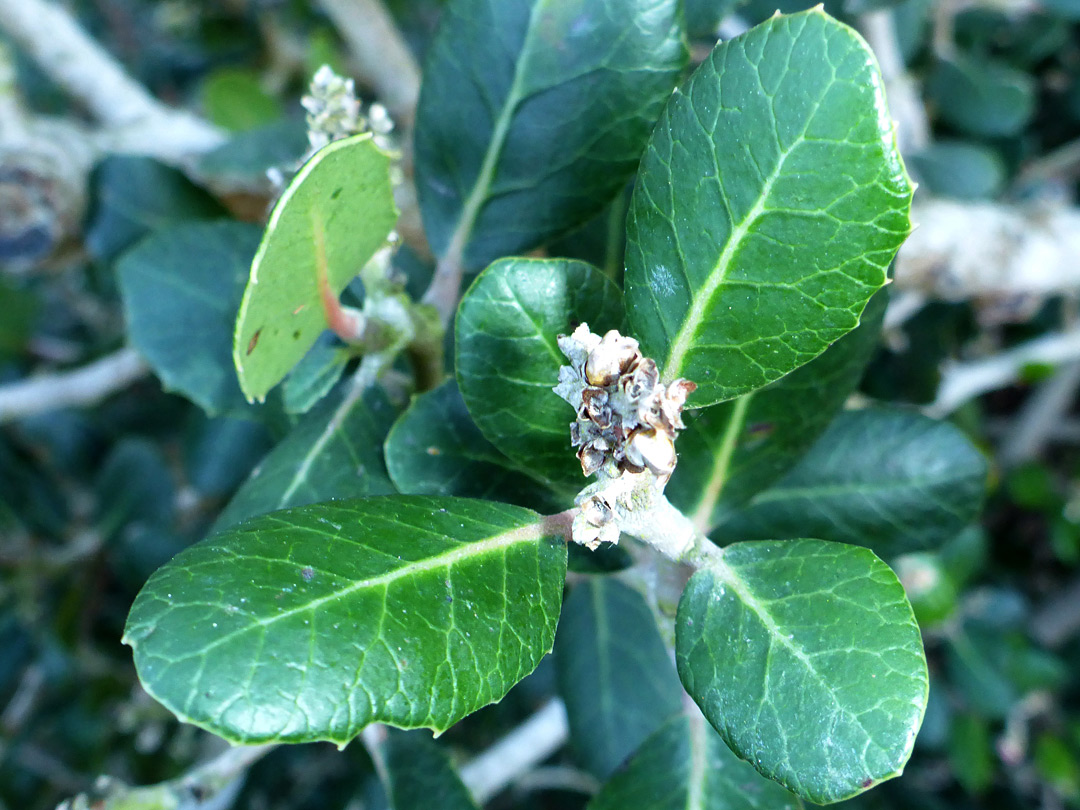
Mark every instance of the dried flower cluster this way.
pixel 625 430
pixel 625 415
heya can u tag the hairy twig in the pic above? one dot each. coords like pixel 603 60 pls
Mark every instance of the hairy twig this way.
pixel 82 386
pixel 134 119
pixel 384 61
pixel 540 736
pixel 962 382
pixel 211 786
pixel 1022 254
pixel 1034 425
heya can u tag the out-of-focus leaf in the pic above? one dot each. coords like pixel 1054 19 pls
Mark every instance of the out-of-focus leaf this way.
pixel 315 375
pixel 532 116
pixel 770 200
pixel 421 776
pixel 960 169
pixel 235 99
pixel 806 657
pixel 435 448
pixel 334 215
pixel 335 451
pixel 407 610
pixel 134 483
pixel 733 450
pixel 20 308
pixel 245 158
pixel 135 196
pixel 891 480
pixel 181 288
pixel 684 765
pixel 971 753
pixel 222 452
pixel 508 357
pixel 982 96
pixel 929 587
pixel 703 17
pixel 615 674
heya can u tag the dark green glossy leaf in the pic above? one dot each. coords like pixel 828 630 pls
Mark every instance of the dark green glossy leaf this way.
pixel 733 450
pixel 421 776
pixel 685 765
pixel 508 358
pixel 435 448
pixel 770 201
pixel 310 623
pixel 615 674
pixel 333 452
pixel 334 215
pixel 135 196
pixel 892 480
pixel 982 96
pixel 805 656
pixel 181 288
pixel 533 115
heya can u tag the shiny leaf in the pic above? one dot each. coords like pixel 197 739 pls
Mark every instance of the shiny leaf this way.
pixel 533 115
pixel 310 623
pixel 508 358
pixel 805 656
pixel 770 201
pixel 891 480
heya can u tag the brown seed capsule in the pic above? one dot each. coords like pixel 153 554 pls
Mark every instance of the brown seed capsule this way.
pixel 651 449
pixel 611 358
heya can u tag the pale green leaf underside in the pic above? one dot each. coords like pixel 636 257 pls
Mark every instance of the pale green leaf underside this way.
pixel 310 623
pixel 891 480
pixel 339 205
pixel 770 201
pixel 614 673
pixel 806 657
pixel 686 766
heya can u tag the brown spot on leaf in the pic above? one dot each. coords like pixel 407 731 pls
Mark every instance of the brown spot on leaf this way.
pixel 254 340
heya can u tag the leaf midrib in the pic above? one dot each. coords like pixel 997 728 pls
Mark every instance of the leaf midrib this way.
pixel 506 539
pixel 455 248
pixel 684 340
pixel 718 475
pixel 782 493
pixel 731 578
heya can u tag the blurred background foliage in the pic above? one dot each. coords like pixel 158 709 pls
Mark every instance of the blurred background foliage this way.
pixel 93 499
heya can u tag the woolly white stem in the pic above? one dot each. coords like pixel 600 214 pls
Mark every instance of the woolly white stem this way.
pixel 82 386
pixel 540 736
pixel 962 382
pixel 135 120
